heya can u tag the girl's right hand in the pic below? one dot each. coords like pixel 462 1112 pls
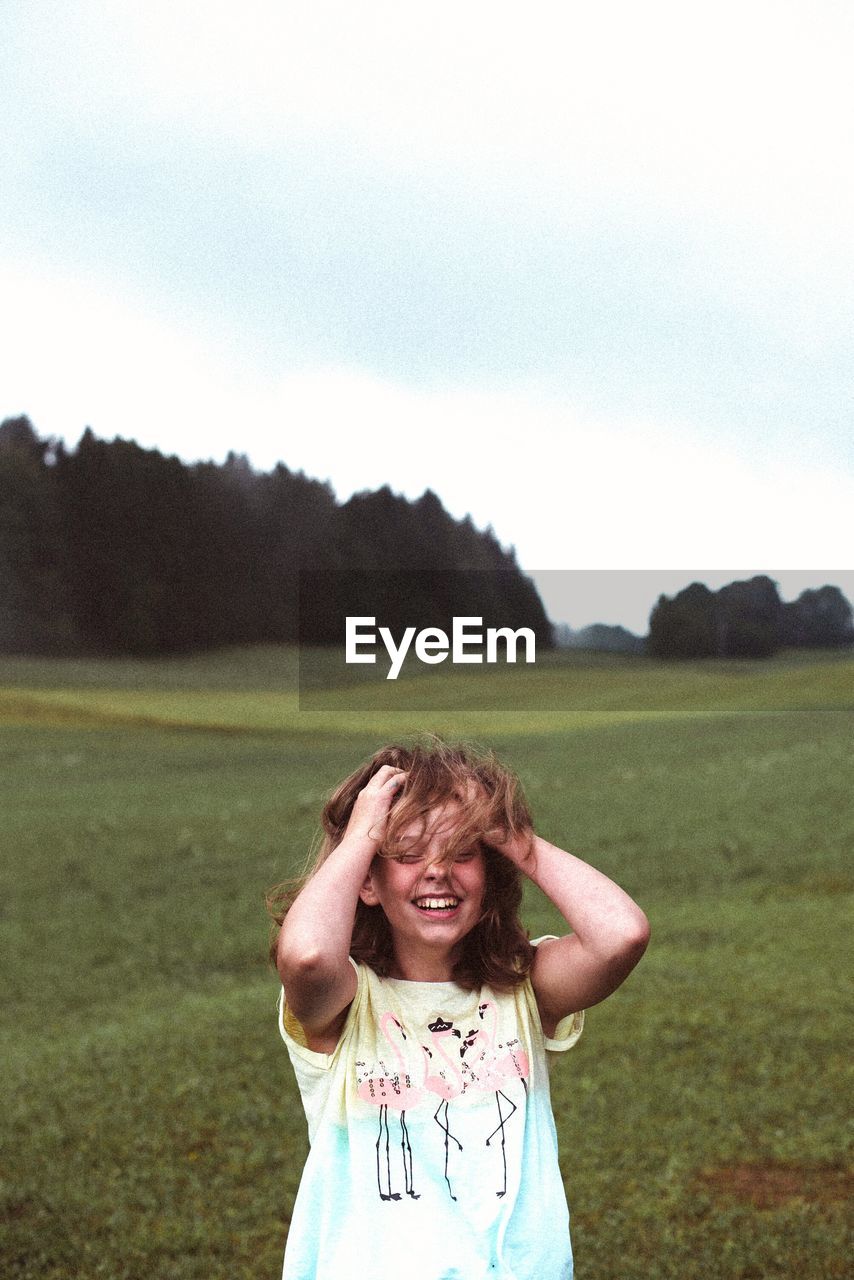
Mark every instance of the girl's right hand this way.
pixel 370 811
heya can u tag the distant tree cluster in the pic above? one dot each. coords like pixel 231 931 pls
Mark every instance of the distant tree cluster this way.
pixel 115 549
pixel 600 636
pixel 747 619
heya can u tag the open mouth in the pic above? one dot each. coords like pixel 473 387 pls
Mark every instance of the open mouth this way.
pixel 437 905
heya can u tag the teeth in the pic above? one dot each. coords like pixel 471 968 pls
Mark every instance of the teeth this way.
pixel 437 904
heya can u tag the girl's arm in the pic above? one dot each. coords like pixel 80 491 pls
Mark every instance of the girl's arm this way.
pixel 609 930
pixel 314 941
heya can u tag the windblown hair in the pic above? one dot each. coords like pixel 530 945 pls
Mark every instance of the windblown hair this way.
pixel 497 951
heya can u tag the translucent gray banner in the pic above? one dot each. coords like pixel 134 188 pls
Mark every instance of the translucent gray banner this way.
pixel 609 641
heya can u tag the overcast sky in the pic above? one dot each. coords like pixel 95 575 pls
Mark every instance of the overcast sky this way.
pixel 585 270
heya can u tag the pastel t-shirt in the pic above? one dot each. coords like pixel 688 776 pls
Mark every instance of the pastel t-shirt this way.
pixel 433 1152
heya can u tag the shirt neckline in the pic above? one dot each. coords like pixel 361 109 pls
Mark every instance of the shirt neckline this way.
pixel 425 982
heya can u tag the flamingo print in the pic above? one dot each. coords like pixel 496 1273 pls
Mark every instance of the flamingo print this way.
pixel 447 1083
pixel 398 1092
pixel 491 1069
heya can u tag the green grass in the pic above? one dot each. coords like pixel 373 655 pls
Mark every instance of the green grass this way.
pixel 152 1126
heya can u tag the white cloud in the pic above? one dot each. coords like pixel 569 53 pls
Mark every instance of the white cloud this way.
pixel 735 111
pixel 76 355
pixel 650 204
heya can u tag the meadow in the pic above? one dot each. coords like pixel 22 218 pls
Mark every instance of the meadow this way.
pixel 152 1129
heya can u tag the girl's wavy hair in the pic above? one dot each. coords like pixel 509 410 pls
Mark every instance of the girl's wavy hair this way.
pixel 496 951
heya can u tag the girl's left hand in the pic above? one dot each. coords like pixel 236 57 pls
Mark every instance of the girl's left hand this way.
pixel 515 846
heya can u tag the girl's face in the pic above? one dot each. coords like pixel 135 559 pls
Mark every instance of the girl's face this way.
pixel 430 905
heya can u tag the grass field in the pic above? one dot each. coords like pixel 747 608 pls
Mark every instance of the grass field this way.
pixel 152 1126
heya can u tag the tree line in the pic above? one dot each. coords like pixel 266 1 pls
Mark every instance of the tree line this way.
pixel 114 549
pixel 747 619
pixel 110 548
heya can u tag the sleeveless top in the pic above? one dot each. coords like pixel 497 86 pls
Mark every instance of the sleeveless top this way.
pixel 433 1152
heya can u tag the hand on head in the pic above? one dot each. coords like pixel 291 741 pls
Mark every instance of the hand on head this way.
pixel 516 845
pixel 371 809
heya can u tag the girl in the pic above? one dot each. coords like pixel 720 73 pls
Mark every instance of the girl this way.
pixel 421 1022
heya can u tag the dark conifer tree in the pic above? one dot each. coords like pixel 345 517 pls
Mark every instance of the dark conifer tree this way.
pixel 35 611
pixel 119 549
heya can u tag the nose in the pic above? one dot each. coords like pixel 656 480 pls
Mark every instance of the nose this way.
pixel 435 872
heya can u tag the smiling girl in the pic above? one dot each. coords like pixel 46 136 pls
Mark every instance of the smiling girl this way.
pixel 421 1023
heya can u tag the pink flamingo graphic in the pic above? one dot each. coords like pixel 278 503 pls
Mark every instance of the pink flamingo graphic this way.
pixel 491 1068
pixel 398 1092
pixel 447 1083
